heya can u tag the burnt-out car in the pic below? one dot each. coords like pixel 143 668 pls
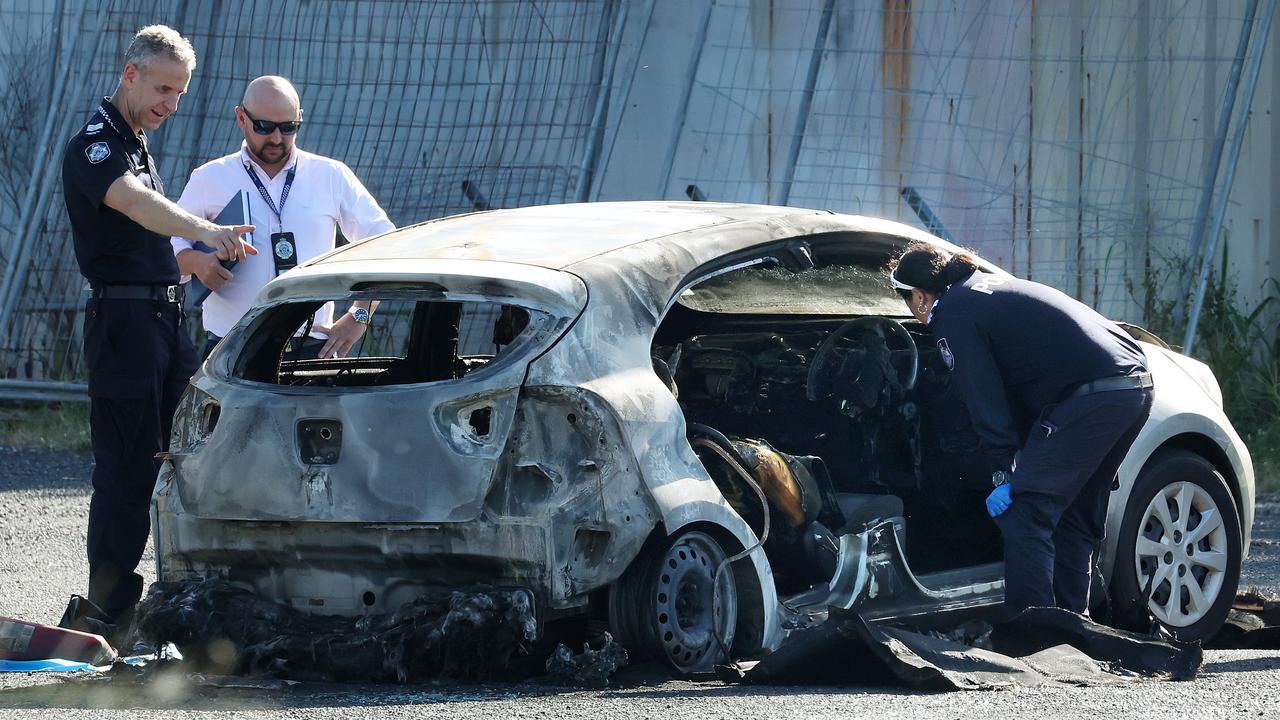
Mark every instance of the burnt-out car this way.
pixel 606 404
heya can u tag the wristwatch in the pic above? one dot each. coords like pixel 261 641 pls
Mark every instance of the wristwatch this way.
pixel 999 477
pixel 360 314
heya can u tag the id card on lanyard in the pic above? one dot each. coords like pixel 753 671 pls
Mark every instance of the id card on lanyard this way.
pixel 284 251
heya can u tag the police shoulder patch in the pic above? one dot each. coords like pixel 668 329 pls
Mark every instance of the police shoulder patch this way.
pixel 947 358
pixel 98 152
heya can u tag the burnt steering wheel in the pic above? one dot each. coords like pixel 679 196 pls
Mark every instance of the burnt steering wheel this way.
pixel 864 362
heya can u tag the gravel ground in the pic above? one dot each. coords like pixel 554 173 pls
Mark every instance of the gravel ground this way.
pixel 44 499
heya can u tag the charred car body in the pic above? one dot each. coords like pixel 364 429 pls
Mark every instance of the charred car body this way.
pixel 606 404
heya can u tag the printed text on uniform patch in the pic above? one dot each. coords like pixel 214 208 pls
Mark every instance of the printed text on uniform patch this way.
pixel 97 152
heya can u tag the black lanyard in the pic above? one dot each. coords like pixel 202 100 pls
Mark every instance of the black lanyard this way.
pixel 266 196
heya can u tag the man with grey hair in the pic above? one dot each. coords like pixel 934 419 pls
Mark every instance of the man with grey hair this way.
pixel 136 346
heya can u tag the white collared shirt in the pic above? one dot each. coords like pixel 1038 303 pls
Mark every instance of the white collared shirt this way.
pixel 325 195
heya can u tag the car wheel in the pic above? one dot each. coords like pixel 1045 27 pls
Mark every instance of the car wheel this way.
pixel 1181 535
pixel 666 608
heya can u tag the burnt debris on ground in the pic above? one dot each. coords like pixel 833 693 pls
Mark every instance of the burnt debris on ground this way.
pixel 1041 646
pixel 1253 623
pixel 476 635
pixel 589 668
pixel 473 635
pixel 488 634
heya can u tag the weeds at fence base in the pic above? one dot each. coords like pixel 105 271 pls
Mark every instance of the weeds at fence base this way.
pixel 48 425
pixel 1242 347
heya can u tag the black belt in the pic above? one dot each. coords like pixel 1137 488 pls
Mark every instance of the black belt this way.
pixel 1122 382
pixel 159 293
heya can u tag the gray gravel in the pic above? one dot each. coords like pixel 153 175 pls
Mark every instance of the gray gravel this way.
pixel 44 499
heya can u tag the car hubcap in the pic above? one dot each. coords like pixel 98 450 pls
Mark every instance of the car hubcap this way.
pixel 688 611
pixel 1182 551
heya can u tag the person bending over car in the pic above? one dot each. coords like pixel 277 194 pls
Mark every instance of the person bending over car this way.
pixel 1057 394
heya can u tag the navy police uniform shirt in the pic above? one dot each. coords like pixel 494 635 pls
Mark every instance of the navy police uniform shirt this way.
pixel 1017 347
pixel 111 248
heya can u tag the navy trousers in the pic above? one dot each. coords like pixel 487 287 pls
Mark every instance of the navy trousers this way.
pixel 140 360
pixel 1060 489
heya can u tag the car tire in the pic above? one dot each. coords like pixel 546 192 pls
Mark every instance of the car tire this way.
pixel 1180 523
pixel 664 608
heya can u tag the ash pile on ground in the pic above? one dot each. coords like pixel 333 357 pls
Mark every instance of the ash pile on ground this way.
pixel 476 635
pixel 590 668
pixel 1253 623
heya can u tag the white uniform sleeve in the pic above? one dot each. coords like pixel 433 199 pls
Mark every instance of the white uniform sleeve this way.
pixel 195 200
pixel 361 215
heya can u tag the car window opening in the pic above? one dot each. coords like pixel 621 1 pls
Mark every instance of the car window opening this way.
pixel 862 437
pixel 408 340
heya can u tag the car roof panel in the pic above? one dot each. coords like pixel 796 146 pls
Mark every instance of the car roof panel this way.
pixel 565 234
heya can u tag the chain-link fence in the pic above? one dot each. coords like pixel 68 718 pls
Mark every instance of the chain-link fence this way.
pixel 417 98
pixel 1067 141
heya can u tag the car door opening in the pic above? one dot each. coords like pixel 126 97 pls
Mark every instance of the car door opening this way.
pixel 840 408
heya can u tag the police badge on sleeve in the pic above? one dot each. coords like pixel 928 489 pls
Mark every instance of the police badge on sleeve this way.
pixel 97 152
pixel 945 350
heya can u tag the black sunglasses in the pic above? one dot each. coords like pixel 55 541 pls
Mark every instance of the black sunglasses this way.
pixel 266 127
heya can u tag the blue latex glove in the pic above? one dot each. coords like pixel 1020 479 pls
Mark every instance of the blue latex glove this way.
pixel 999 500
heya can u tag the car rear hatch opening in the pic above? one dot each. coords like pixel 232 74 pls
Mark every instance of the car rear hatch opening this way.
pixel 407 427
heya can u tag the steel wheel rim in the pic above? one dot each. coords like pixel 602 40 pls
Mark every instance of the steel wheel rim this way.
pixel 1182 541
pixel 686 611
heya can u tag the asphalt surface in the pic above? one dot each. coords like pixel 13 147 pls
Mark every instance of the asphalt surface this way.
pixel 44 499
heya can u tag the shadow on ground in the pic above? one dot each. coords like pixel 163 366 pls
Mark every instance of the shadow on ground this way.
pixel 1261 664
pixel 175 689
pixel 35 469
pixel 180 693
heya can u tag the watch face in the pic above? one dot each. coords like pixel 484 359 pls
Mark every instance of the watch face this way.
pixel 361 315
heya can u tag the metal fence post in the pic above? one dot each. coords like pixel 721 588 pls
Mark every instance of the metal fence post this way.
pixel 806 102
pixel 683 107
pixel 923 211
pixel 19 280
pixel 628 81
pixel 22 233
pixel 1215 159
pixel 1220 206
pixel 591 157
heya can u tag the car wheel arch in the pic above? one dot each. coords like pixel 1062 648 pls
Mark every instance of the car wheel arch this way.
pixel 1206 448
pixel 1174 464
pixel 751 635
pixel 757 630
pixel 1191 434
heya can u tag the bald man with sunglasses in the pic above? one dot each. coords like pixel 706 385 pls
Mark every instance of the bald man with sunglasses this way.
pixel 297 200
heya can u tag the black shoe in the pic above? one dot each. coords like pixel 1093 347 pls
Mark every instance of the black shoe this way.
pixel 82 615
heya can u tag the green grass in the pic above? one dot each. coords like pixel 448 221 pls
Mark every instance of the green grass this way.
pixel 1242 346
pixel 54 426
pixel 1264 446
